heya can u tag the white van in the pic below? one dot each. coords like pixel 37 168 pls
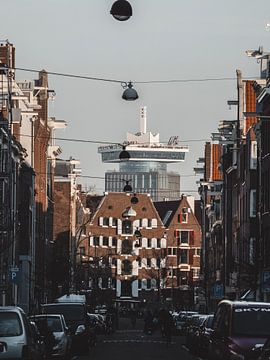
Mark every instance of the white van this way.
pixel 17 340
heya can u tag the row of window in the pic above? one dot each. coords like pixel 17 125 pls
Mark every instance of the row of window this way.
pixel 126 245
pixel 114 222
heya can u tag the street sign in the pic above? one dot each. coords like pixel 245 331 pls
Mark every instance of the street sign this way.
pixel 14 275
pixel 218 291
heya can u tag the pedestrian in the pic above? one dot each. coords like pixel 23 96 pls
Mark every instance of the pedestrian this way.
pixel 148 323
pixel 133 317
pixel 168 326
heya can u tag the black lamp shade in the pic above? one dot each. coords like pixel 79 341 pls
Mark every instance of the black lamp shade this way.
pixel 130 94
pixel 124 155
pixel 121 10
pixel 127 188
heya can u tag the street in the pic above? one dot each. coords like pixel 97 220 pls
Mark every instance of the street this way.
pixel 134 344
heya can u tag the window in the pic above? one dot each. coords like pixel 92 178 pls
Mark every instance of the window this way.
pixel 126 267
pixel 197 252
pixel 253 155
pixel 96 240
pixel 126 289
pixel 149 243
pixel 148 262
pixel 158 243
pixel 127 227
pixel 148 284
pixel 184 215
pixel 172 251
pixel 139 284
pixel 114 222
pixel 158 263
pixel 126 247
pixel 114 241
pixel 105 241
pixel 149 223
pixel 184 237
pixel 183 256
pixel 252 207
pixel 106 221
pixel 114 261
pixel 82 250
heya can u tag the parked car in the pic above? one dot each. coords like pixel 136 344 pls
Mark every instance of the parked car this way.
pixel 205 334
pixel 262 351
pixel 39 340
pixel 98 322
pixel 57 325
pixel 17 336
pixel 237 327
pixel 192 333
pixel 181 319
pixel 76 318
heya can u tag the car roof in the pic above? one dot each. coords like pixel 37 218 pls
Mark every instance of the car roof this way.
pixel 244 303
pixel 64 303
pixel 11 308
pixel 46 315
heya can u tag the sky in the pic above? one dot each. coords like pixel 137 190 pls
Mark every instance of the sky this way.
pixel 163 40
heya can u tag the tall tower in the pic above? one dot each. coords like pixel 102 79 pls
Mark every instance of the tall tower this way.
pixel 146 170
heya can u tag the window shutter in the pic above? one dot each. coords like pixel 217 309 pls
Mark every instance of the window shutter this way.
pixel 191 238
pixel 91 241
pixel 176 233
pixel 119 227
pixel 135 267
pixel 110 241
pixel 154 223
pixel 163 243
pixel 154 243
pixel 144 223
pixel 110 221
pixel 191 253
pixel 119 245
pixel 119 267
pixel 144 242
pixel 100 220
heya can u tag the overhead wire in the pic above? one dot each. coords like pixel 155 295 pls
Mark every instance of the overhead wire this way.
pixel 94 78
pixel 101 141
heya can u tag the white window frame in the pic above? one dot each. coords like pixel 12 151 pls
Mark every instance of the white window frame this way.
pixel 252 204
pixel 253 155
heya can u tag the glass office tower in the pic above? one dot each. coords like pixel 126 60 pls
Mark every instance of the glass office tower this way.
pixel 146 170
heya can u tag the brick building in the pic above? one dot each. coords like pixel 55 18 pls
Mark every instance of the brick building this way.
pixel 125 253
pixel 183 249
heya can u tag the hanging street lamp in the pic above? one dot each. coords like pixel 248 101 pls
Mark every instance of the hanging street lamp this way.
pixel 121 10
pixel 129 94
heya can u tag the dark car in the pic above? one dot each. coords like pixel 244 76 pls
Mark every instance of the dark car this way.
pixel 76 318
pixel 205 334
pixel 192 335
pixel 238 327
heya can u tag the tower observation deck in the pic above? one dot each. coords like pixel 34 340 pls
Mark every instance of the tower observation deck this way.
pixel 147 167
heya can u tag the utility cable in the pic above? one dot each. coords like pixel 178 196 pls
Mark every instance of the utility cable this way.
pixel 85 77
pixel 103 141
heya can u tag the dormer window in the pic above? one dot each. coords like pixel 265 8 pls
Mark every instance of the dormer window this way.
pixel 183 216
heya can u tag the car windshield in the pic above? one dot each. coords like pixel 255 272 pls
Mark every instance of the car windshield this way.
pixel 10 324
pixel 53 323
pixel 70 312
pixel 253 321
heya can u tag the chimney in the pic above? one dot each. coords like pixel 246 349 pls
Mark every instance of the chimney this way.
pixel 7 54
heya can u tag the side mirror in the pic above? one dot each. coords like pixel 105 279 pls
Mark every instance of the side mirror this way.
pixel 80 329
